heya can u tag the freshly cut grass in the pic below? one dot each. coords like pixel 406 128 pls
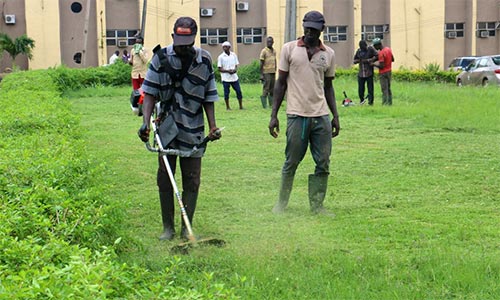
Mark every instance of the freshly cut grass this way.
pixel 415 189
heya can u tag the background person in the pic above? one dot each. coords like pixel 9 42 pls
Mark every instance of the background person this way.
pixel 125 56
pixel 114 57
pixel 139 62
pixel 384 63
pixel 306 71
pixel 228 63
pixel 267 72
pixel 186 100
pixel 365 56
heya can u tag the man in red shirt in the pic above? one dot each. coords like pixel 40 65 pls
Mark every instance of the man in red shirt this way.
pixel 384 63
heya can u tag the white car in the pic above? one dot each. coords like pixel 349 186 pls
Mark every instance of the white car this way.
pixel 482 71
pixel 459 63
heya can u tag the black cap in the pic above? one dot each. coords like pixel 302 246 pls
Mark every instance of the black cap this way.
pixel 185 30
pixel 314 19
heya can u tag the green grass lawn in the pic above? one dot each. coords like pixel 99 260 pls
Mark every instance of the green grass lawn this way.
pixel 415 188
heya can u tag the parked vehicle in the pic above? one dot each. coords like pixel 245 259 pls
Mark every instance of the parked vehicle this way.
pixel 459 63
pixel 482 71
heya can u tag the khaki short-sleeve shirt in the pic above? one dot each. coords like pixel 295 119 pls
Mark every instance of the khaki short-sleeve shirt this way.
pixel 305 94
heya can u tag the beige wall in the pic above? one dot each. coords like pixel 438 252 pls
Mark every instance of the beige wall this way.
pixel 47 52
pixel 416 27
pixel 102 50
pixel 417 37
pixel 161 18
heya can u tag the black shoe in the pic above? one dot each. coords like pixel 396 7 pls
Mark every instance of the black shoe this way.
pixel 362 102
pixel 167 235
pixel 185 235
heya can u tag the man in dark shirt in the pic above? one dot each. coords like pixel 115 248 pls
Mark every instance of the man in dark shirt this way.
pixel 365 56
pixel 185 97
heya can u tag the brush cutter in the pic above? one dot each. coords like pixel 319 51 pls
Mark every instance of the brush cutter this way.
pixel 192 240
pixel 347 101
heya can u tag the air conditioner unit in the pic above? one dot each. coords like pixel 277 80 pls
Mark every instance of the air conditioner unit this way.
pixel 122 43
pixel 241 6
pixel 10 19
pixel 247 40
pixel 206 12
pixel 451 34
pixel 213 41
pixel 333 38
pixel 484 33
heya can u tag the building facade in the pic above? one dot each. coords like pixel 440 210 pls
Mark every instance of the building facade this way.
pixel 84 33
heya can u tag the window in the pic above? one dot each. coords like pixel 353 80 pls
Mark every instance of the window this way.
pixel 76 7
pixel 116 37
pixel 250 35
pixel 482 63
pixel 335 34
pixel 369 32
pixel 213 36
pixel 485 29
pixel 454 30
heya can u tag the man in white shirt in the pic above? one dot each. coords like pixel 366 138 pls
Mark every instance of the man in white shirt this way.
pixel 114 57
pixel 227 63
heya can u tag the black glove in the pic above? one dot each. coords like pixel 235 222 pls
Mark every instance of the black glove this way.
pixel 143 133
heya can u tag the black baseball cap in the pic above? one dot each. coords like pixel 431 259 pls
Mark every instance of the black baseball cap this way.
pixel 314 19
pixel 185 30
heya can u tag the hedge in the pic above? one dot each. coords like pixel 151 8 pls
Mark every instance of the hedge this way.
pixel 58 234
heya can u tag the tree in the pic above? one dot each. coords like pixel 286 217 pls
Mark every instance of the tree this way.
pixel 22 45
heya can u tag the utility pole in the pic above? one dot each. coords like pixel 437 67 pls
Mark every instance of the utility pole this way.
pixel 143 20
pixel 291 20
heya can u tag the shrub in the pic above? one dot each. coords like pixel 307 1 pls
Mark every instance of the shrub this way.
pixel 57 232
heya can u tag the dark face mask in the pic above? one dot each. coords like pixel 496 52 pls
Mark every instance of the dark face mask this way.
pixel 184 51
pixel 311 35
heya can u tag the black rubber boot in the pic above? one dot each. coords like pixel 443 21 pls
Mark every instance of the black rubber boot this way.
pixel 285 190
pixel 270 100
pixel 189 199
pixel 167 216
pixel 263 100
pixel 317 193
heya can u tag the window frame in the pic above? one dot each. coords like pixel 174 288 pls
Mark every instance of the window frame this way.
pixel 120 34
pixel 375 30
pixel 257 35
pixel 455 27
pixel 486 26
pixel 336 33
pixel 221 34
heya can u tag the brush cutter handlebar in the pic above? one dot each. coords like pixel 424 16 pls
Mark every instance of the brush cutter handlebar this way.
pixel 177 152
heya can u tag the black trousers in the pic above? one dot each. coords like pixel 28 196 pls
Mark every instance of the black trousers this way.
pixel 190 169
pixel 361 88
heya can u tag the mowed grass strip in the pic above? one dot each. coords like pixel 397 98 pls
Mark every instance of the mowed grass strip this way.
pixel 415 189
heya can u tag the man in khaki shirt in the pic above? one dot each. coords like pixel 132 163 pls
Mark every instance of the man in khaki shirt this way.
pixel 306 72
pixel 267 72
pixel 139 62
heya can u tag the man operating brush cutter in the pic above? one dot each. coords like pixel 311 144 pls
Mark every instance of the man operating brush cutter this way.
pixel 180 82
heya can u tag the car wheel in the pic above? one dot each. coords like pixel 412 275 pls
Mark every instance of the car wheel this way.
pixel 485 82
pixel 459 83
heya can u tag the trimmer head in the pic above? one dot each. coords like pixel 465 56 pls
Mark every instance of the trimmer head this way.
pixel 183 248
